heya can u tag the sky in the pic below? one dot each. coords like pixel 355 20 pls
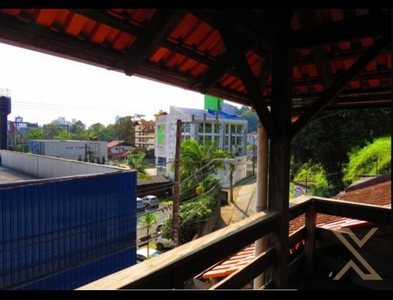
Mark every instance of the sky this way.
pixel 45 87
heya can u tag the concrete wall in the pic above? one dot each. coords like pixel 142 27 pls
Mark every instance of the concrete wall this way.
pixel 50 167
pixel 69 149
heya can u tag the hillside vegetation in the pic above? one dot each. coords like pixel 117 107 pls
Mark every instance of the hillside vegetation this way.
pixel 373 159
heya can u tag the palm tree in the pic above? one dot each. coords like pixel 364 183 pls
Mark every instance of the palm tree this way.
pixel 135 161
pixel 148 221
pixel 197 163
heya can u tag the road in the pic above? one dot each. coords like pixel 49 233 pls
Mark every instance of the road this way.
pixel 163 212
pixel 246 200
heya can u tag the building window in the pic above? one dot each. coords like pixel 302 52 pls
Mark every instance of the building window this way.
pixel 216 140
pixel 226 143
pixel 208 127
pixel 186 127
pixel 201 128
pixel 217 128
pixel 227 128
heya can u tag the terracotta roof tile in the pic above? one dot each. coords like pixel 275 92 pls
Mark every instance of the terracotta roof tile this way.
pixel 378 194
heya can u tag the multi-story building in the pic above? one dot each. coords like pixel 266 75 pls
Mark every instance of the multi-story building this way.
pixel 21 126
pixel 144 134
pixel 17 132
pixel 222 127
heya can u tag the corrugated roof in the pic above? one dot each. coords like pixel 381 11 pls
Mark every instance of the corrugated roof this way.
pixel 210 113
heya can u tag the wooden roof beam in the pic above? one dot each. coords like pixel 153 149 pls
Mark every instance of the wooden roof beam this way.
pixel 237 54
pixel 335 89
pixel 365 26
pixel 156 30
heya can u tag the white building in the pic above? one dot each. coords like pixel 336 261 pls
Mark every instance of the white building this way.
pixel 92 151
pixel 222 127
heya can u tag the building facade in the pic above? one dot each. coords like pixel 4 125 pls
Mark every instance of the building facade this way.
pixel 91 151
pixel 68 224
pixel 222 127
pixel 119 150
pixel 144 134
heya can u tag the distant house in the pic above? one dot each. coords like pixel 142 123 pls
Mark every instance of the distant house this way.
pixel 302 187
pixel 119 150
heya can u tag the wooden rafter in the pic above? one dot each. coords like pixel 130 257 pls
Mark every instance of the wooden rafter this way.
pixel 237 55
pixel 150 36
pixel 340 83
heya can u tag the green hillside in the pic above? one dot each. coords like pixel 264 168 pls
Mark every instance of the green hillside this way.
pixel 373 159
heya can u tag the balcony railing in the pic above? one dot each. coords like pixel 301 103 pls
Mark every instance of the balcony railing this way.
pixel 173 269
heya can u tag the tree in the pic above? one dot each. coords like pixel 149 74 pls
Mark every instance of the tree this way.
pixel 124 128
pixel 148 221
pixel 135 161
pixel 64 135
pixel 197 163
pixel 328 139
pixel 78 130
pixel 251 117
pixel 49 131
pixel 34 134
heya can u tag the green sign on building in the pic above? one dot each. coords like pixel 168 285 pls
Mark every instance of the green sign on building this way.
pixel 213 102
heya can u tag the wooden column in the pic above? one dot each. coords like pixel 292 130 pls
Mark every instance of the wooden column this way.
pixel 262 182
pixel 279 157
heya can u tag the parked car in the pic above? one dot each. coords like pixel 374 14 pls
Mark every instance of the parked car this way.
pixel 162 243
pixel 141 254
pixel 151 201
pixel 159 229
pixel 140 205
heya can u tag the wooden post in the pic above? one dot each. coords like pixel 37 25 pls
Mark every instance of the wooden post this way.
pixel 279 156
pixel 262 182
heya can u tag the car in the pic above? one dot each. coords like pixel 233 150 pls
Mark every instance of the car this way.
pixel 151 201
pixel 162 243
pixel 140 205
pixel 159 229
pixel 141 254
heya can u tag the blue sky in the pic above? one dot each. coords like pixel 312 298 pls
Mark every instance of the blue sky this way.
pixel 44 87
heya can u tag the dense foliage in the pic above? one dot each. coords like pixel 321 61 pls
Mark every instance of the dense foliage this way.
pixel 329 138
pixel 197 164
pixel 199 189
pixel 373 159
pixel 192 215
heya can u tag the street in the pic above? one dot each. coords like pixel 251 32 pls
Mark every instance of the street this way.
pixel 162 213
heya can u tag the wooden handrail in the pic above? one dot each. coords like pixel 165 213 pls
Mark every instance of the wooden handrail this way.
pixel 171 269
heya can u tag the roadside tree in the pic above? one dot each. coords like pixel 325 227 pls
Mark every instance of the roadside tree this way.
pixel 148 221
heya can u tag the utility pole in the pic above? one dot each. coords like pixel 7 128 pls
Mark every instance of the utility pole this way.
pixel 176 198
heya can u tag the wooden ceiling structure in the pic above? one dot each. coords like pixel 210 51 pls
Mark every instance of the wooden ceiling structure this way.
pixel 340 58
pixel 287 64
